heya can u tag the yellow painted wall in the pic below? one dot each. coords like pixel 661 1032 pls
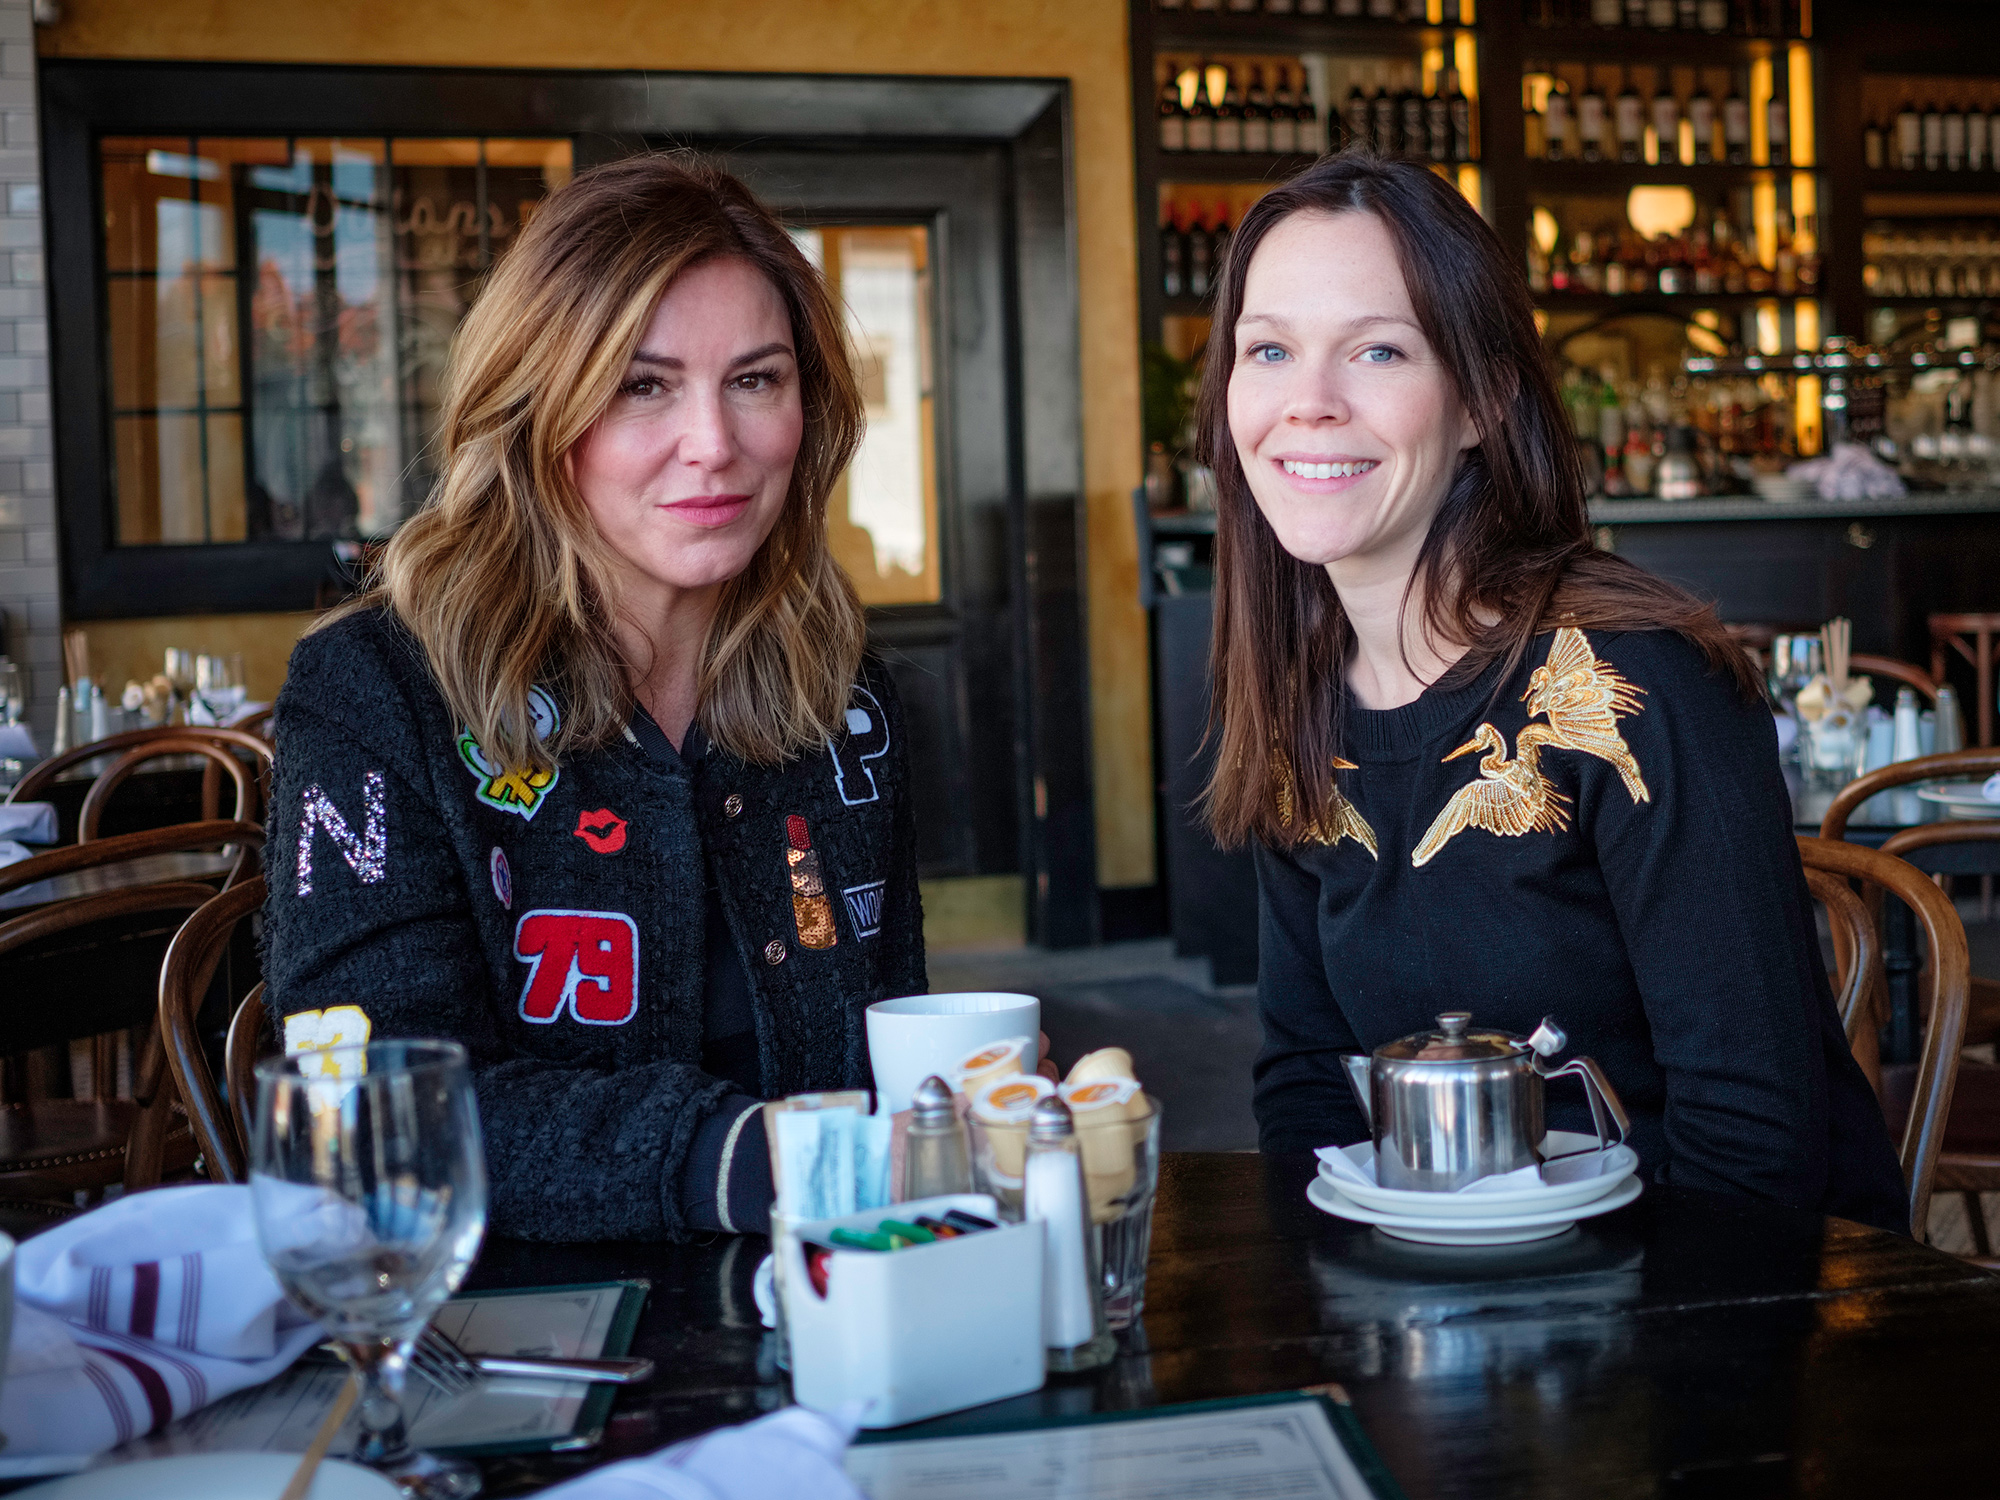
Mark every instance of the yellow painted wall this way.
pixel 1082 40
pixel 123 651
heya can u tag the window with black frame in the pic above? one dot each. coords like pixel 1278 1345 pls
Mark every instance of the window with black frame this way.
pixel 277 312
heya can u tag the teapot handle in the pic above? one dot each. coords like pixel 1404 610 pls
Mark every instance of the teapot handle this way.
pixel 1605 1110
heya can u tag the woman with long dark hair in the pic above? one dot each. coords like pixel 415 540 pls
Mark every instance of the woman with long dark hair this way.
pixel 1484 765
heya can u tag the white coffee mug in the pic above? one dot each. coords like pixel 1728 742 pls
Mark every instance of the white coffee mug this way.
pixel 911 1038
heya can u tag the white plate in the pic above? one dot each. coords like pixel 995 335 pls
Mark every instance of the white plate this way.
pixel 1621 1163
pixel 215 1476
pixel 1512 1229
pixel 1965 794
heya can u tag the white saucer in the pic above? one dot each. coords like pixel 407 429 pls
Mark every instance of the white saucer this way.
pixel 1620 1163
pixel 1960 796
pixel 1494 1229
pixel 216 1476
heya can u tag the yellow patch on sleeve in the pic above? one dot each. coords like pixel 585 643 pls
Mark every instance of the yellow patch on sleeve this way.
pixel 322 1030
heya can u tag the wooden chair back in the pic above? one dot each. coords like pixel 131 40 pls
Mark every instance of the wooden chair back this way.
pixel 247 839
pixel 1944 1000
pixel 1857 951
pixel 241 1054
pixel 1904 672
pixel 1971 636
pixel 220 763
pixel 31 786
pixel 1959 763
pixel 192 960
pixel 84 1145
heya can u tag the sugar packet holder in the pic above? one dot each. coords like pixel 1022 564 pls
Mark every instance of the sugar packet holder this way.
pixel 924 1330
pixel 830 1153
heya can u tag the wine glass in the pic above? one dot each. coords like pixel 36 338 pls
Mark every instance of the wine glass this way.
pixel 178 669
pixel 369 1185
pixel 218 684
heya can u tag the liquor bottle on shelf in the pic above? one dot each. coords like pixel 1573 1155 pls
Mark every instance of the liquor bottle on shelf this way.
pixel 1872 154
pixel 1284 123
pixel 1933 137
pixel 1461 117
pixel 1666 111
pixel 1607 12
pixel 1410 114
pixel 1198 260
pixel 1714 16
pixel 1909 136
pixel 1778 129
pixel 1591 110
pixel 1629 119
pixel 1534 129
pixel 1358 115
pixel 1556 121
pixel 1382 113
pixel 1701 122
pixel 1437 124
pixel 1954 138
pixel 1256 114
pixel 1201 114
pixel 1305 118
pixel 1173 119
pixel 1173 253
pixel 1736 125
pixel 1229 115
pixel 1976 138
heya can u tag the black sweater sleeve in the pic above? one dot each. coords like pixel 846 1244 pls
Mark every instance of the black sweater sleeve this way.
pixel 573 1153
pixel 1301 1094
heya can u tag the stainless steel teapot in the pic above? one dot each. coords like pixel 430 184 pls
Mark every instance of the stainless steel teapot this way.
pixel 1450 1106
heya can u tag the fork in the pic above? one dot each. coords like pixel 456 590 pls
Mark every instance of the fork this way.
pixel 440 1361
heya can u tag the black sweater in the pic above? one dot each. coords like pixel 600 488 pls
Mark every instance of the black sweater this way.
pixel 1644 889
pixel 556 928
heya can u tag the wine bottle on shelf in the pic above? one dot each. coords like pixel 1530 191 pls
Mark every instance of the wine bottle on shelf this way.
pixel 1629 119
pixel 1872 154
pixel 1197 257
pixel 1305 118
pixel 1666 111
pixel 1933 137
pixel 1284 124
pixel 1556 121
pixel 1410 114
pixel 1778 128
pixel 1635 13
pixel 1173 254
pixel 1229 116
pixel 1534 129
pixel 1591 110
pixel 1660 14
pixel 1218 241
pixel 1201 114
pixel 1437 124
pixel 1701 122
pixel 1687 15
pixel 1736 125
pixel 1954 138
pixel 1173 119
pixel 1461 117
pixel 1358 115
pixel 1909 137
pixel 1714 16
pixel 1382 113
pixel 1256 114
pixel 1607 12
pixel 1976 138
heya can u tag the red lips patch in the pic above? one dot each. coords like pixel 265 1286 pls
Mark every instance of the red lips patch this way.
pixel 603 830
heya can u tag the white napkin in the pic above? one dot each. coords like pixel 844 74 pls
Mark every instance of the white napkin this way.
pixel 12 853
pixel 1342 1168
pixel 17 742
pixel 33 821
pixel 792 1454
pixel 139 1312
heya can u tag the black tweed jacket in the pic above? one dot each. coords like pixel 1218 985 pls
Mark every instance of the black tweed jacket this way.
pixel 554 923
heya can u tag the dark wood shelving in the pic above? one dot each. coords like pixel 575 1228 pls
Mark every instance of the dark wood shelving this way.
pixel 1957 299
pixel 1896 180
pixel 1232 166
pixel 1584 176
pixel 1634 45
pixel 1197 31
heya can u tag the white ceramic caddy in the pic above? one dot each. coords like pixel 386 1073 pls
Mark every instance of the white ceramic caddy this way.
pixel 1619 1163
pixel 921 1330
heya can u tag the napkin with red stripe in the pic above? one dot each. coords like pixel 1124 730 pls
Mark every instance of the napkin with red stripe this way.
pixel 140 1312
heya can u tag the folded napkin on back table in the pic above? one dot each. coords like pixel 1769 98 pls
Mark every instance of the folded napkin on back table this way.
pixel 30 822
pixel 137 1313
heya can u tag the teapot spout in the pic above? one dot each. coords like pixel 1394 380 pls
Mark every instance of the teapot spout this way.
pixel 1358 1070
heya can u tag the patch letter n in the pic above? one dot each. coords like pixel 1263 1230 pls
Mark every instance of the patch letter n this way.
pixel 367 855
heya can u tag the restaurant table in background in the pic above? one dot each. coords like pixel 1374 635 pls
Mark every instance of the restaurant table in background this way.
pixel 1688 1344
pixel 150 869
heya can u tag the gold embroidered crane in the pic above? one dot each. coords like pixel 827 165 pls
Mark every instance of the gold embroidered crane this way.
pixel 1583 696
pixel 1339 820
pixel 1512 797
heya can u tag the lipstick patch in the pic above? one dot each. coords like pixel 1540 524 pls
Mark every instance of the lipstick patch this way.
pixel 811 911
pixel 603 830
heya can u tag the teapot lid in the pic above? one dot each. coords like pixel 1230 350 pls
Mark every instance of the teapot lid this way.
pixel 1453 1041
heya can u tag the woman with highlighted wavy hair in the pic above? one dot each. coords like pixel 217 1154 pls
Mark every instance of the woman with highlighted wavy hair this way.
pixel 597 777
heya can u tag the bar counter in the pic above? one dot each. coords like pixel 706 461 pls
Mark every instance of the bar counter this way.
pixel 1688 1344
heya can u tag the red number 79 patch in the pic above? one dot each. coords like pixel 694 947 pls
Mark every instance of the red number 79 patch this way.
pixel 587 961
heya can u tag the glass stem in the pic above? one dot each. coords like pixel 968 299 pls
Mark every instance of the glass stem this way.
pixel 380 1367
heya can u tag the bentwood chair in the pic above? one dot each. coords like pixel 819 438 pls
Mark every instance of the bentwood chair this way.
pixel 1971 636
pixel 1944 999
pixel 222 1127
pixel 1904 672
pixel 57 1147
pixel 131 859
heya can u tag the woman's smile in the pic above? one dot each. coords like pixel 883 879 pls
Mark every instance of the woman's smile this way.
pixel 708 510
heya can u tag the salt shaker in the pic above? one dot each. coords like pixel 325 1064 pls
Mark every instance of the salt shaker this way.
pixel 935 1160
pixel 1073 1329
pixel 1950 727
pixel 1908 744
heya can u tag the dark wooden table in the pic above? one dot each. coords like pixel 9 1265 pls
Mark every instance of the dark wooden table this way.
pixel 1690 1344
pixel 150 869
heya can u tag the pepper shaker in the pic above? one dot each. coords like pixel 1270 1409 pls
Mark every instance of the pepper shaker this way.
pixel 935 1160
pixel 1073 1329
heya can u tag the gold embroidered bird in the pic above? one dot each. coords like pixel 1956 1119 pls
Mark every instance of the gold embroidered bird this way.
pixel 1339 820
pixel 1511 798
pixel 1583 696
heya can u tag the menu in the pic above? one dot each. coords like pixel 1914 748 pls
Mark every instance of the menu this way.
pixel 1232 1452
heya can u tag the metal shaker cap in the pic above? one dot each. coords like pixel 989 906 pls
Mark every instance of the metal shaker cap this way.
pixel 932 1103
pixel 1052 1121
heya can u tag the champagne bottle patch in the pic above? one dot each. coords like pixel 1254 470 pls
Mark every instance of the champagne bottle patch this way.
pixel 810 909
